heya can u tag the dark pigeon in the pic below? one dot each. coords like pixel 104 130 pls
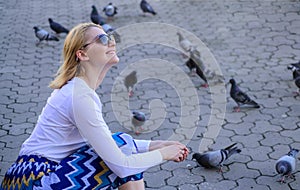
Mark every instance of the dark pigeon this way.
pixel 95 17
pixel 292 65
pixel 190 63
pixel 129 82
pixel 56 27
pixel 201 70
pixel 287 164
pixel 215 159
pixel 138 119
pixel 146 7
pixel 110 10
pixel 42 35
pixel 296 78
pixel 240 97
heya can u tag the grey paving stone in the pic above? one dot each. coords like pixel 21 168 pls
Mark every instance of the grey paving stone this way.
pixel 249 184
pixel 157 179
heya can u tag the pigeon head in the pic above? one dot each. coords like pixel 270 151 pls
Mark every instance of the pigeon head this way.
pixel 94 9
pixel 35 28
pixel 232 81
pixel 196 156
pixel 140 116
pixel 133 73
pixel 179 35
pixel 50 20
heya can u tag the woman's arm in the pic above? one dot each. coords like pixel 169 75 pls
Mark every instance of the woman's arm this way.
pixel 88 119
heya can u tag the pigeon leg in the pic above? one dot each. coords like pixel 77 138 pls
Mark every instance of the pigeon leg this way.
pixel 37 42
pixel 282 179
pixel 139 130
pixel 296 93
pixel 237 109
pixel 130 91
pixel 220 170
pixel 292 176
pixel 130 94
pixel 204 85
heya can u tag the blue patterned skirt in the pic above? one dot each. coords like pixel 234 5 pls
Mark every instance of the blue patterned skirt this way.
pixel 83 169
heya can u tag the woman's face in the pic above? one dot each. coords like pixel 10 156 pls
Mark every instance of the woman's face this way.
pixel 97 52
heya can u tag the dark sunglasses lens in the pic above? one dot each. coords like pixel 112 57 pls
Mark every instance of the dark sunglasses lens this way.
pixel 103 39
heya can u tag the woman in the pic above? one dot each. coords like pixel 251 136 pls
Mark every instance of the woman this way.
pixel 71 146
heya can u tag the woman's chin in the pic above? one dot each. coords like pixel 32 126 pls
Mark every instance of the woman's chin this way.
pixel 114 60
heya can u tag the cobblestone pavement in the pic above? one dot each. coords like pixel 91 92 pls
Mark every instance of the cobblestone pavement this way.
pixel 250 40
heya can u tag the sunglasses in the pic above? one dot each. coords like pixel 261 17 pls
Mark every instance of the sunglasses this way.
pixel 103 39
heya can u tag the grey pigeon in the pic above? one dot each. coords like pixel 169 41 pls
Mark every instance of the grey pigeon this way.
pixel 110 30
pixel 110 10
pixel 95 17
pixel 129 82
pixel 215 159
pixel 287 164
pixel 42 35
pixel 146 7
pixel 240 97
pixel 56 27
pixel 138 119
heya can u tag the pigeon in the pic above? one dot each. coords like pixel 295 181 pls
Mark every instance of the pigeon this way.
pixel 190 63
pixel 215 159
pixel 240 97
pixel 110 10
pixel 138 119
pixel 184 43
pixel 146 7
pixel 110 30
pixel 287 164
pixel 296 78
pixel 42 35
pixel 129 81
pixel 292 65
pixel 95 17
pixel 56 27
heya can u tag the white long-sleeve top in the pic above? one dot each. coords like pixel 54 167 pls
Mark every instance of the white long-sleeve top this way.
pixel 71 118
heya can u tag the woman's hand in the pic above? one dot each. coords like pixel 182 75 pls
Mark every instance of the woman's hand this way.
pixel 175 151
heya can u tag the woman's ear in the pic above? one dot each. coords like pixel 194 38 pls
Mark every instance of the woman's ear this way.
pixel 81 55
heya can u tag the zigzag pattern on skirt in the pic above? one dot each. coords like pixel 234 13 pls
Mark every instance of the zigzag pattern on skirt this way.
pixel 26 172
pixel 83 169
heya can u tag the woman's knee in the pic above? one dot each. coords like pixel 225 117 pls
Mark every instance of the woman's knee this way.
pixel 133 185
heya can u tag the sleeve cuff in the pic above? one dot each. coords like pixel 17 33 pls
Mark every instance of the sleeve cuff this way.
pixel 142 145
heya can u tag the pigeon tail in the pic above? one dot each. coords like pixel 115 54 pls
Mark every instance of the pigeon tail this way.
pixel 52 38
pixel 255 104
pixel 234 150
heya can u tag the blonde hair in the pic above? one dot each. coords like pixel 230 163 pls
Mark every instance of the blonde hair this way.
pixel 73 42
